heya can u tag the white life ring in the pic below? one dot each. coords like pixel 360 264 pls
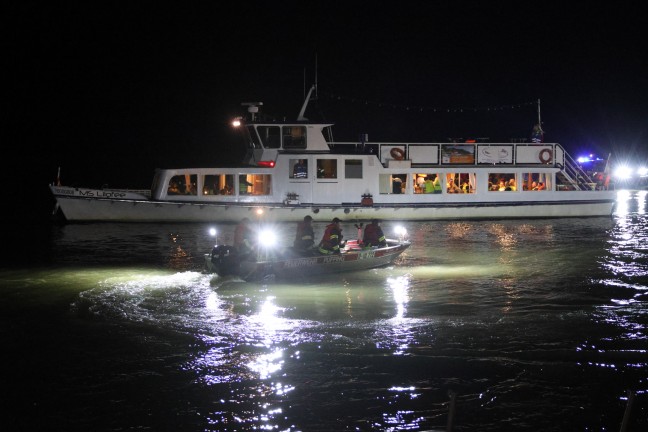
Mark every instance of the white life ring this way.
pixel 545 156
pixel 397 153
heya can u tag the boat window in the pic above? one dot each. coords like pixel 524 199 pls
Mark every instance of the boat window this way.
pixel 255 184
pixel 252 138
pixel 392 183
pixel 502 182
pixel 270 136
pixel 426 183
pixel 461 182
pixel 299 168
pixel 353 168
pixel 536 181
pixel 326 168
pixel 294 137
pixel 218 184
pixel 183 184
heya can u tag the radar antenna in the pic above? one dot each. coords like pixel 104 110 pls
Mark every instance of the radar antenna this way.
pixel 253 108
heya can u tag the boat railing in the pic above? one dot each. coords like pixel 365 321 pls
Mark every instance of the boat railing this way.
pixel 457 154
pixel 576 176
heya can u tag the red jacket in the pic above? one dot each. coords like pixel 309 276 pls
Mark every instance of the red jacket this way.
pixel 331 239
pixel 373 236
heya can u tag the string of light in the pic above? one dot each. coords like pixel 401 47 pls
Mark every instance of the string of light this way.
pixel 414 108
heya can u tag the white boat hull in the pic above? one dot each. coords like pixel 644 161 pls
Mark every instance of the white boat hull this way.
pixel 355 181
pixel 116 210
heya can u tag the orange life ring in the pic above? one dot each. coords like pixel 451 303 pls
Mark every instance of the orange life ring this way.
pixel 397 153
pixel 546 156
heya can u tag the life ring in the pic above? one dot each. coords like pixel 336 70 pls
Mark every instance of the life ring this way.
pixel 397 153
pixel 546 156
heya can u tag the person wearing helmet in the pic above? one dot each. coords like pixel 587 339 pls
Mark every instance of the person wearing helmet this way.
pixel 304 236
pixel 332 238
pixel 373 235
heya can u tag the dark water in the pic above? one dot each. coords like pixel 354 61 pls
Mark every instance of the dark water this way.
pixel 535 325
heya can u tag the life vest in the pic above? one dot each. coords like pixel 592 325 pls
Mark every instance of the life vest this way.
pixel 373 236
pixel 304 236
pixel 331 240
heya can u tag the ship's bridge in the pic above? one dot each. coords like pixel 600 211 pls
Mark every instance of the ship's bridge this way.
pixel 266 140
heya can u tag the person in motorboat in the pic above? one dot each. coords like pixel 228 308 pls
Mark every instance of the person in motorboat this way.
pixel 304 242
pixel 243 239
pixel 332 238
pixel 373 235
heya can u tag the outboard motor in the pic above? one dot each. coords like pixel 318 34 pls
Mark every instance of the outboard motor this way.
pixel 225 260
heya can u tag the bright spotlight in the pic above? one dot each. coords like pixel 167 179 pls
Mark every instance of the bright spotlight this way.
pixel 267 238
pixel 623 172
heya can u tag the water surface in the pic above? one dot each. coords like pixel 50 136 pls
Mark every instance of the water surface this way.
pixel 533 324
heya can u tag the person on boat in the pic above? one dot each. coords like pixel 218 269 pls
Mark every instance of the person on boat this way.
pixel 300 170
pixel 332 238
pixel 373 235
pixel 397 185
pixel 453 188
pixel 243 239
pixel 437 185
pixel 244 184
pixel 429 185
pixel 512 185
pixel 537 134
pixel 304 236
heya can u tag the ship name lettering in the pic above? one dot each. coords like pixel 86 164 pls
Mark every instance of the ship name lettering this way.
pixel 64 191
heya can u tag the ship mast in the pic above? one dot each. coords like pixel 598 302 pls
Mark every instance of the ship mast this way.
pixel 301 117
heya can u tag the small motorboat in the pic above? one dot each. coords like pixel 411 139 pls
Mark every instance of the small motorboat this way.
pixel 288 263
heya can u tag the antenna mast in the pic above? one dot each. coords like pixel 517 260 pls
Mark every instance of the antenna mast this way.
pixel 300 116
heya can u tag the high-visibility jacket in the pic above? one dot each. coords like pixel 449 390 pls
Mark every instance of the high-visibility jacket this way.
pixel 373 236
pixel 331 240
pixel 304 236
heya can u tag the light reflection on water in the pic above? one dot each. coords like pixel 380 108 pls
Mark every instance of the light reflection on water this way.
pixel 537 325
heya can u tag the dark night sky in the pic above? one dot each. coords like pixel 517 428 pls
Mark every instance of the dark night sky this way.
pixel 111 90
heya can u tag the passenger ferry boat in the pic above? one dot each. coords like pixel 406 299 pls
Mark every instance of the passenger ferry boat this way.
pixel 290 170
